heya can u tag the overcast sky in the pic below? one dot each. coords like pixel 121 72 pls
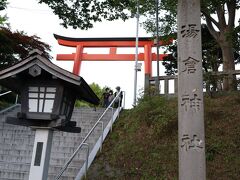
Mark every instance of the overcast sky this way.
pixel 38 19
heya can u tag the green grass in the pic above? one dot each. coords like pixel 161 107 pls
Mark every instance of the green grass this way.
pixel 143 144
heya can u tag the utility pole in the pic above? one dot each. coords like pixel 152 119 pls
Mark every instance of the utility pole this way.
pixel 136 58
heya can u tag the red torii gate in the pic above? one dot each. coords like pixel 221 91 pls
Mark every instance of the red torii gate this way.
pixel 112 43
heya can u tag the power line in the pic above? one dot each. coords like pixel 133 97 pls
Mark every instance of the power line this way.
pixel 29 9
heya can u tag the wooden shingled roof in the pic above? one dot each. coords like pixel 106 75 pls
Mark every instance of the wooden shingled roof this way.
pixel 10 77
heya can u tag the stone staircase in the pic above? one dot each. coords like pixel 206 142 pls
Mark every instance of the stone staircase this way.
pixel 16 144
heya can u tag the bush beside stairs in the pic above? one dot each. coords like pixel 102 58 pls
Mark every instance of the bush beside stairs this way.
pixel 16 144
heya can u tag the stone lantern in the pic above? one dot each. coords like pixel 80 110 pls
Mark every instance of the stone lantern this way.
pixel 48 94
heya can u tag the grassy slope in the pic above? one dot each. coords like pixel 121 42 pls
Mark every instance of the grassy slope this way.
pixel 143 144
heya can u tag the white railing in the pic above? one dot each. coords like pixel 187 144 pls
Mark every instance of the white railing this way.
pixel 83 143
pixel 170 82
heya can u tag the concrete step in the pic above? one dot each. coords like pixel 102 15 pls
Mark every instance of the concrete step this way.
pixel 63 177
pixel 15 159
pixel 15 152
pixel 21 167
pixel 19 141
pixel 16 144
pixel 61 161
pixel 22 147
pixel 71 171
pixel 13 175
pixel 61 144
pixel 66 152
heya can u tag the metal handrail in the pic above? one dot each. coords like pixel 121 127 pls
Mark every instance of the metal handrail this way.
pixel 8 92
pixel 89 133
pixel 10 107
pixel 5 93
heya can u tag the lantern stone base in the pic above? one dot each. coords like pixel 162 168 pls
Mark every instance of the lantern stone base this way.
pixel 41 154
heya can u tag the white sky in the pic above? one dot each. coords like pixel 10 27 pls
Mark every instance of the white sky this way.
pixel 38 19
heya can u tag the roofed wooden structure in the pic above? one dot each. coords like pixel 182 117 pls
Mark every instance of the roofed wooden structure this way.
pixel 17 75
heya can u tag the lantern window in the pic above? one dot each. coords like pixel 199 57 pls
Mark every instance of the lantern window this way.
pixel 41 99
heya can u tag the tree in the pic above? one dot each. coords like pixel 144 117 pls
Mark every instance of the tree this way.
pixel 82 14
pixel 15 46
pixel 220 19
pixel 224 32
pixel 97 90
pixel 3 5
pixel 211 54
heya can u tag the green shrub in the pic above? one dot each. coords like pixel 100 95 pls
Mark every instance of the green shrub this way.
pixel 157 112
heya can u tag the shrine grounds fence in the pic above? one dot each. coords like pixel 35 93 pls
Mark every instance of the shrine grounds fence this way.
pixel 213 81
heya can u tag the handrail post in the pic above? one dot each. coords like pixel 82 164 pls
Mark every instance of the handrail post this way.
pixel 87 155
pixel 16 99
pixel 111 118
pixel 119 108
pixel 101 135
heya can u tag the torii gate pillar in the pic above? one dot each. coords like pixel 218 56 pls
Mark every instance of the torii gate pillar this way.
pixel 78 60
pixel 148 65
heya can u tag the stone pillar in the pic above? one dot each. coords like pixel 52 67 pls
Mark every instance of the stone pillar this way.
pixel 191 136
pixel 41 154
pixel 175 85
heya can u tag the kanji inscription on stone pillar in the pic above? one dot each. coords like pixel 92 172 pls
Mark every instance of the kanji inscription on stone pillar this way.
pixel 191 137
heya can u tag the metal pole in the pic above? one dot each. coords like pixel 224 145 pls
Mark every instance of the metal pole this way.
pixel 111 118
pixel 87 155
pixel 136 58
pixel 16 99
pixel 102 126
pixel 157 46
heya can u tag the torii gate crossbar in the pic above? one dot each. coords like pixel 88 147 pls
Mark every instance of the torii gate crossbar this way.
pixel 112 43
